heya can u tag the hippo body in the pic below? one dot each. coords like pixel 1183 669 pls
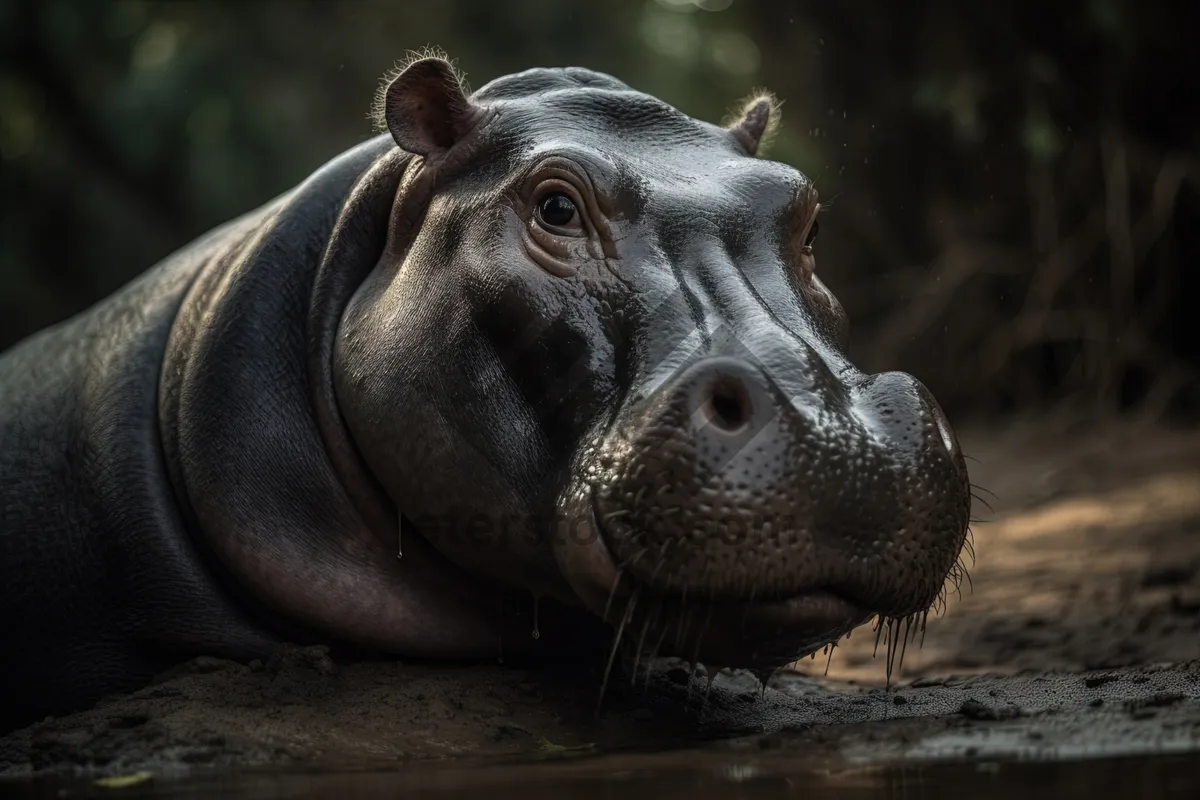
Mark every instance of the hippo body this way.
pixel 103 584
pixel 552 340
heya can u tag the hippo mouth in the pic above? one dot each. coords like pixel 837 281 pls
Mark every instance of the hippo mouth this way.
pixel 755 536
pixel 763 632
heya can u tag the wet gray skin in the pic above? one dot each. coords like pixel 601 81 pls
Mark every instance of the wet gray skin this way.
pixel 571 336
pixel 595 362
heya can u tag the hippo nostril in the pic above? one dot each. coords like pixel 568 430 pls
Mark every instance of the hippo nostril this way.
pixel 728 405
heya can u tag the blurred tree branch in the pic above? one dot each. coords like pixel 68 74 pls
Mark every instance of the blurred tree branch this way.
pixel 150 191
pixel 1012 195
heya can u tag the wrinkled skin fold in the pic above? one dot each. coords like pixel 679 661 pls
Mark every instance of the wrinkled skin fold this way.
pixel 553 339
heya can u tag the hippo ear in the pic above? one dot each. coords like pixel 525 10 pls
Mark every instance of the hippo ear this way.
pixel 753 126
pixel 425 107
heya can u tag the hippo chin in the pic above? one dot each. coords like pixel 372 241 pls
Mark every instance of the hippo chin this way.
pixel 552 339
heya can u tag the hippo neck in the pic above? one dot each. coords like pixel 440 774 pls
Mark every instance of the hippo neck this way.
pixel 257 457
pixel 260 306
pixel 265 474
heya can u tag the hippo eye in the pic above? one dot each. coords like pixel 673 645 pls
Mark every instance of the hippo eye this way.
pixel 557 210
pixel 812 234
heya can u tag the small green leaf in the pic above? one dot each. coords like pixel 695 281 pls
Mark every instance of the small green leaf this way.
pixel 122 781
pixel 551 747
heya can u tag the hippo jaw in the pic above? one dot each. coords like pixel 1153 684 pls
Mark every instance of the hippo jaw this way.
pixel 759 634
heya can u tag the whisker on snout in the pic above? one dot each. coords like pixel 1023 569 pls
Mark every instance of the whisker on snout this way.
pixel 616 645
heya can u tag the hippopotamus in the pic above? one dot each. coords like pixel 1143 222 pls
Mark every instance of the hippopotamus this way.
pixel 549 342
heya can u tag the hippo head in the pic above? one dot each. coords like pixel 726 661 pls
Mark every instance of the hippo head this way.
pixel 595 362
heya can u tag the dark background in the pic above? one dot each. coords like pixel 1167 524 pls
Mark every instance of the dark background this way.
pixel 1013 189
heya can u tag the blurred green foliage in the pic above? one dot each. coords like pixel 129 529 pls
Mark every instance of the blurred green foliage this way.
pixel 1009 186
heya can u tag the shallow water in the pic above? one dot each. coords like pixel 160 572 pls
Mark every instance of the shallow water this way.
pixel 688 774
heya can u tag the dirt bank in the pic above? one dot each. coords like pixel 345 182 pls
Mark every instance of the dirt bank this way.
pixel 1087 575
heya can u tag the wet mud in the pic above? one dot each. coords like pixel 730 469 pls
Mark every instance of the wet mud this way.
pixel 1078 636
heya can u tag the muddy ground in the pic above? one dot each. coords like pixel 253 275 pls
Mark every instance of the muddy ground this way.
pixel 1078 635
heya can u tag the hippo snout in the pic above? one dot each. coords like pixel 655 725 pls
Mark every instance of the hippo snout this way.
pixel 722 486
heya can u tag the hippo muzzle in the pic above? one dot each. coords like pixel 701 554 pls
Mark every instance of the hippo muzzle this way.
pixel 750 526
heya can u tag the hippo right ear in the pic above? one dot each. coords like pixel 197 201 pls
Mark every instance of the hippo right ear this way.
pixel 755 124
pixel 425 107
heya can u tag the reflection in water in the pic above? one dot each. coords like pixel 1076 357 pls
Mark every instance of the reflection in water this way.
pixel 696 775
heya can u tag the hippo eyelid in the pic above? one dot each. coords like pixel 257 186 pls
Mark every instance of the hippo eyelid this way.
pixel 809 233
pixel 571 170
pixel 805 210
pixel 553 249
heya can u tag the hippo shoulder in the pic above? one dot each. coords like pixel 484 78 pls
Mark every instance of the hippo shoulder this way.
pixel 87 511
